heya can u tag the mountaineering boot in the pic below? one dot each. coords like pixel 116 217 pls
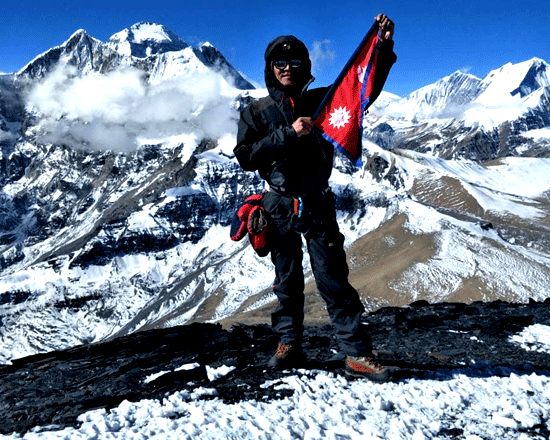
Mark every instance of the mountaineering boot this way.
pixel 286 356
pixel 366 367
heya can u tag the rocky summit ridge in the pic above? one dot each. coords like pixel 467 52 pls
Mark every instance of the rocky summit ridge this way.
pixel 50 391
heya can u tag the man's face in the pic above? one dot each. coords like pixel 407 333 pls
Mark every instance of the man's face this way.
pixel 287 72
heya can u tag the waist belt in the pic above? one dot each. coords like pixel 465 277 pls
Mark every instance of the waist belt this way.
pixel 283 192
pixel 305 202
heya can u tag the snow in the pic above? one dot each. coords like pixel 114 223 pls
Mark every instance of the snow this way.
pixel 500 100
pixel 535 337
pixel 479 401
pixel 538 134
pixel 495 187
pixel 460 257
pixel 483 103
pixel 144 32
pixel 140 33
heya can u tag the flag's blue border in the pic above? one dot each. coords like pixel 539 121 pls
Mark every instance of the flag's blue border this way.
pixel 357 162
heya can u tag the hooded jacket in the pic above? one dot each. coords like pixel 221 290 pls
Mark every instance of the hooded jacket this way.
pixel 266 140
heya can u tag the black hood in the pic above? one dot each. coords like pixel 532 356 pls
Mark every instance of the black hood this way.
pixel 273 50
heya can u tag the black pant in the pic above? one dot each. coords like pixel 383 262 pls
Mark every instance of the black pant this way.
pixel 328 261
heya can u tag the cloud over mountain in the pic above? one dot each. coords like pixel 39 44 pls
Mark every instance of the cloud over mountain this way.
pixel 121 110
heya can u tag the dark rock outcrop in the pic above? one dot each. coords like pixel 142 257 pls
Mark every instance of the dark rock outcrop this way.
pixel 53 389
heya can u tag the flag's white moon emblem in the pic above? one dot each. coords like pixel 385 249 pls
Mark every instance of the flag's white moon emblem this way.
pixel 361 72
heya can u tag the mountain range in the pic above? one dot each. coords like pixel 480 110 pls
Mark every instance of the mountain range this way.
pixel 118 185
pixel 147 46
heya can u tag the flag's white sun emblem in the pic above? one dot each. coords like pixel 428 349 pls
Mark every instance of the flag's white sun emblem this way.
pixel 339 117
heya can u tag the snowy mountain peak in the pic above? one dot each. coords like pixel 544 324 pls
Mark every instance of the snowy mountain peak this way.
pixel 146 46
pixel 80 50
pixel 144 39
pixel 537 76
pixel 213 58
pixel 514 81
pixel 209 54
pixel 147 31
pixel 441 97
pixel 459 75
pixel 80 33
pixel 505 94
pixel 456 88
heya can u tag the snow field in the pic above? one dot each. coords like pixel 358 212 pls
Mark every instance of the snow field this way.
pixel 476 402
pixel 535 337
pixel 325 406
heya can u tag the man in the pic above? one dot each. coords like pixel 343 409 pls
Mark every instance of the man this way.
pixel 275 138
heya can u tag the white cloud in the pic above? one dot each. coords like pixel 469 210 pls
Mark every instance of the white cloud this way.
pixel 121 110
pixel 322 54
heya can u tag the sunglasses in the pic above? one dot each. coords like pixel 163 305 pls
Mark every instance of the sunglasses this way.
pixel 281 64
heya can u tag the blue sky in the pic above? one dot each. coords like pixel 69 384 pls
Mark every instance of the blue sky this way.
pixel 432 39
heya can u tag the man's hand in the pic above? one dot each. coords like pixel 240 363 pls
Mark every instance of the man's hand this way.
pixel 302 126
pixel 386 27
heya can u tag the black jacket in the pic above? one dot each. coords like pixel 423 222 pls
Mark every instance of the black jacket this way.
pixel 267 142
